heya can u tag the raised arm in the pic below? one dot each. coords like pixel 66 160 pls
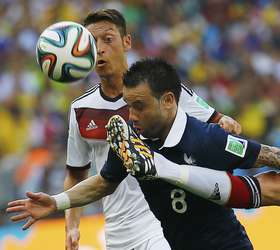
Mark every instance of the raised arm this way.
pixel 40 205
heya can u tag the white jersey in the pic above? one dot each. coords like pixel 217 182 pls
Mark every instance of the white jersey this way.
pixel 129 221
pixel 194 105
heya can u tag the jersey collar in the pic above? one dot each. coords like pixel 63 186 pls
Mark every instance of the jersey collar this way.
pixel 177 130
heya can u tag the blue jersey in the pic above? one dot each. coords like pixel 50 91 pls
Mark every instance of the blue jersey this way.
pixel 190 222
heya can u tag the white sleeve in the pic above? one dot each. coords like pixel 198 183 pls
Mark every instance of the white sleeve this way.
pixel 194 105
pixel 78 150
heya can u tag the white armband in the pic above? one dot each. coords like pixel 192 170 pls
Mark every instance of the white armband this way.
pixel 62 201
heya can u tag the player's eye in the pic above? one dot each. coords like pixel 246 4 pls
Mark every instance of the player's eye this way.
pixel 108 39
pixel 138 106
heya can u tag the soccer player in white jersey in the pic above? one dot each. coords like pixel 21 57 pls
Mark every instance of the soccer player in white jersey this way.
pixel 129 222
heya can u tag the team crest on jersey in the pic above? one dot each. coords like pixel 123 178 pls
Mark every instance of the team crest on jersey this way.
pixel 236 146
pixel 189 160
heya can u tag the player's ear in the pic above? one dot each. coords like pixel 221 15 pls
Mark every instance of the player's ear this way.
pixel 168 99
pixel 127 42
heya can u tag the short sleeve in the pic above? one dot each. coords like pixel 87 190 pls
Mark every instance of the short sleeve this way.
pixel 194 105
pixel 113 169
pixel 220 150
pixel 78 150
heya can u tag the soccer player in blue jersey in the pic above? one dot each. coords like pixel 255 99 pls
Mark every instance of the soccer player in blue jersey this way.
pixel 189 222
pixel 152 90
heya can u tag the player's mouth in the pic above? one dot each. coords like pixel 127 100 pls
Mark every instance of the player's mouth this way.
pixel 100 63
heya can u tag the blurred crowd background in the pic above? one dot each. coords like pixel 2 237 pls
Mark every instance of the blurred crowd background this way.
pixel 229 50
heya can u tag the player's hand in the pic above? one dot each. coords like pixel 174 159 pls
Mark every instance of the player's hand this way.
pixel 230 125
pixel 72 239
pixel 37 206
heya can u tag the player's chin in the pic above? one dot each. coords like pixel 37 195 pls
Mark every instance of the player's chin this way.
pixel 103 71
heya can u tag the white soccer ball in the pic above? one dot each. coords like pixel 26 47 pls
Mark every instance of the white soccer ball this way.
pixel 66 52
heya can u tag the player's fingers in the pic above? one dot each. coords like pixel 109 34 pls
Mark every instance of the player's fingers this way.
pixel 222 125
pixel 72 246
pixel 238 129
pixel 29 223
pixel 68 243
pixel 231 128
pixel 72 239
pixel 75 245
pixel 16 203
pixel 20 217
pixel 15 209
pixel 234 128
pixel 33 196
pixel 74 242
pixel 228 126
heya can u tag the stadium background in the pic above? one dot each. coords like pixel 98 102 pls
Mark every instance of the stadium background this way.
pixel 229 50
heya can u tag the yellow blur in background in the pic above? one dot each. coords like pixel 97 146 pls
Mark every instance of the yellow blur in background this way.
pixel 262 226
pixel 49 235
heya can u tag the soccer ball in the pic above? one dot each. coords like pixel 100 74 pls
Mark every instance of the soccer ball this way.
pixel 66 52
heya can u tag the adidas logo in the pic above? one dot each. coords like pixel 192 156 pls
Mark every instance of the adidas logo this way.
pixel 216 195
pixel 91 125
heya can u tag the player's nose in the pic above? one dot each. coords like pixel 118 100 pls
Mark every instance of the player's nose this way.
pixel 100 47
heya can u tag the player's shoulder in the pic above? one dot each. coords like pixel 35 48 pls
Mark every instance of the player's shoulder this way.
pixel 204 133
pixel 86 96
pixel 196 128
pixel 197 124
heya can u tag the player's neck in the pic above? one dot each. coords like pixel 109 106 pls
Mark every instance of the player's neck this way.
pixel 112 86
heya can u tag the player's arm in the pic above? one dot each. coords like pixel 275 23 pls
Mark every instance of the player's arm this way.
pixel 238 152
pixel 78 163
pixel 270 188
pixel 268 156
pixel 195 106
pixel 92 189
pixel 40 205
pixel 72 216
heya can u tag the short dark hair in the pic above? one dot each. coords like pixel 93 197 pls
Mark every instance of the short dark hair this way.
pixel 157 73
pixel 110 15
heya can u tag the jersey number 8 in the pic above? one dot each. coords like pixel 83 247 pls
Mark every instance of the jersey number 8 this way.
pixel 179 204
